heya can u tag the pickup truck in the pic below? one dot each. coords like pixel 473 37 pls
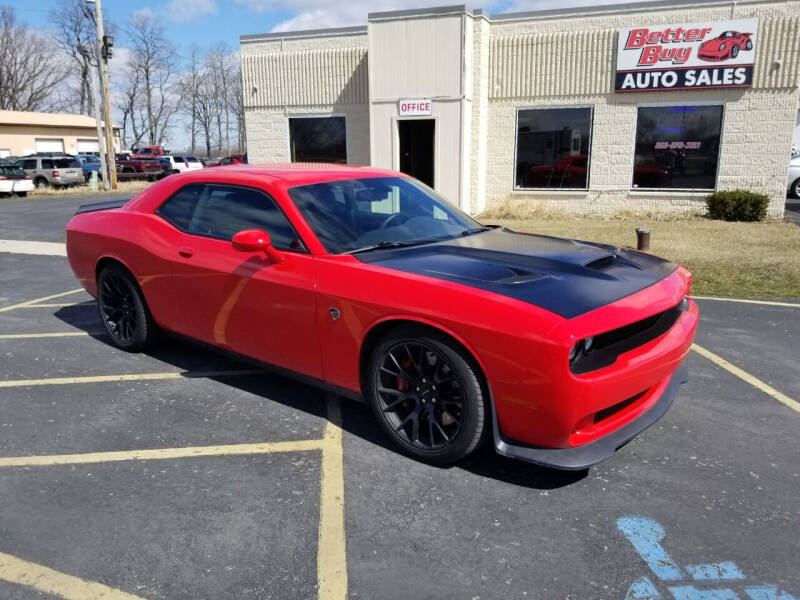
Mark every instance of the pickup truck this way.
pixel 147 151
pixel 139 168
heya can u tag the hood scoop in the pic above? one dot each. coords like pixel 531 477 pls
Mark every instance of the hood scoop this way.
pixel 473 270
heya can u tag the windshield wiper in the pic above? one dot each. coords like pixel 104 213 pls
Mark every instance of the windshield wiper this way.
pixel 472 231
pixel 384 244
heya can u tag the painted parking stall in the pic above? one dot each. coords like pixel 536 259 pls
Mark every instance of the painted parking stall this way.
pixel 185 475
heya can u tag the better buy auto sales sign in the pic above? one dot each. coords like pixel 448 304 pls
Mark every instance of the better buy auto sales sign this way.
pixel 686 56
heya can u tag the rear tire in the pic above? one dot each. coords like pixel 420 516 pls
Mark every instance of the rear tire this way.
pixel 795 190
pixel 438 426
pixel 21 194
pixel 123 310
pixel 41 183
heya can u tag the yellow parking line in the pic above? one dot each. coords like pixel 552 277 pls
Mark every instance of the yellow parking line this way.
pixel 31 336
pixel 52 582
pixel 27 303
pixel 128 377
pixel 745 376
pixel 57 304
pixel 331 551
pixel 743 301
pixel 160 453
pixel 40 248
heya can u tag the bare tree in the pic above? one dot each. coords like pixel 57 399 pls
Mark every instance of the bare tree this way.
pixel 190 89
pixel 236 107
pixel 28 73
pixel 74 30
pixel 128 102
pixel 153 58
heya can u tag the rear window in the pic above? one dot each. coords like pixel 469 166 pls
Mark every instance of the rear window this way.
pixel 66 163
pixel 191 159
pixel 12 171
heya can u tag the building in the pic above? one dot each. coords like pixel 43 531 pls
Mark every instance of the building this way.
pixel 24 133
pixel 644 106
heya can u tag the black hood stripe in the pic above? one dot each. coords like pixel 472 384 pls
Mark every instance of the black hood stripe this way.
pixel 566 277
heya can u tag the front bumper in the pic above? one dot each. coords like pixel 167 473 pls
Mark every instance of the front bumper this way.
pixel 582 457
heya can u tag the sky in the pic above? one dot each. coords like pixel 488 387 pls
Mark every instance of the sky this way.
pixel 210 22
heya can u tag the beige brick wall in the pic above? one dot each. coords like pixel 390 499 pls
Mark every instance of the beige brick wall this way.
pixel 268 131
pixel 324 75
pixel 754 153
pixel 570 61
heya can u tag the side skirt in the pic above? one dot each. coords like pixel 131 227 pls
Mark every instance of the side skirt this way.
pixel 300 377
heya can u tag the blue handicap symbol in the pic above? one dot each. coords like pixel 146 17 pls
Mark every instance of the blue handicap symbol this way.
pixel 690 582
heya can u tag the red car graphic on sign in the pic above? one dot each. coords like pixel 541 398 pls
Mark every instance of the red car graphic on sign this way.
pixel 726 46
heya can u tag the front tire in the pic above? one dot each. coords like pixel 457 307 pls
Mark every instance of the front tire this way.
pixel 123 310
pixel 796 189
pixel 426 394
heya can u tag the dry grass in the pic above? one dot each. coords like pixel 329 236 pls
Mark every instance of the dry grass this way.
pixel 757 260
pixel 123 187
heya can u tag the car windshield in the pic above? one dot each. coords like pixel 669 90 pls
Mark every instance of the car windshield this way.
pixel 363 214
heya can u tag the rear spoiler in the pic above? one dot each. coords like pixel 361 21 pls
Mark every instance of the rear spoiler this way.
pixel 95 206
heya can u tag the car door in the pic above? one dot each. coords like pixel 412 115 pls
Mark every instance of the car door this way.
pixel 240 300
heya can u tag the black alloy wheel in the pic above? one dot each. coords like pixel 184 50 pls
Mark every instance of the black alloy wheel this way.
pixel 123 310
pixel 426 395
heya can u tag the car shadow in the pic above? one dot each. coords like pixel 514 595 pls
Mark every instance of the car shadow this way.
pixel 357 418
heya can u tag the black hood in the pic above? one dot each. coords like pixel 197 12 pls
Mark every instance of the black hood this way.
pixel 564 276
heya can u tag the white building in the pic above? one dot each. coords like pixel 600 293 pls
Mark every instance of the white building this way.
pixel 545 106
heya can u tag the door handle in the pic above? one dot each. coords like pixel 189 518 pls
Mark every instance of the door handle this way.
pixel 186 252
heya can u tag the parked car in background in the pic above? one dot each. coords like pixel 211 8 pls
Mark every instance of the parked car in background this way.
pixel 147 151
pixel 142 168
pixel 183 163
pixel 89 163
pixel 14 180
pixel 52 170
pixel 793 180
pixel 233 159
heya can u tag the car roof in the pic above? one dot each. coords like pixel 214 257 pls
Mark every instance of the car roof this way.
pixel 300 173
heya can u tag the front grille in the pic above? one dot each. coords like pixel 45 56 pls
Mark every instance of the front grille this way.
pixel 609 345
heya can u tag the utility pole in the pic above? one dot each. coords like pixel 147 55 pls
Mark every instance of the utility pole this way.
pixel 106 43
pixel 93 89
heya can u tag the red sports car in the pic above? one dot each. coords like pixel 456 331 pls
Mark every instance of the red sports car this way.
pixel 725 46
pixel 366 282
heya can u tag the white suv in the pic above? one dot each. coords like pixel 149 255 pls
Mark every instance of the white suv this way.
pixel 793 180
pixel 181 164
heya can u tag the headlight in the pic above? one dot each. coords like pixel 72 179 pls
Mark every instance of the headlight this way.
pixel 722 46
pixel 580 348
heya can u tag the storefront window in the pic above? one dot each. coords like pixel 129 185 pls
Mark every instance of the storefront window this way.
pixel 677 147
pixel 318 139
pixel 553 148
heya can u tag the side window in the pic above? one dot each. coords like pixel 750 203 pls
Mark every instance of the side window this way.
pixel 223 211
pixel 27 164
pixel 47 163
pixel 179 209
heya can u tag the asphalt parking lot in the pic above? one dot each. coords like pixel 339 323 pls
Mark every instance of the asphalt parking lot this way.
pixel 184 474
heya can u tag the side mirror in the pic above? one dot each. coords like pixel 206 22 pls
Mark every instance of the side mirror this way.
pixel 256 240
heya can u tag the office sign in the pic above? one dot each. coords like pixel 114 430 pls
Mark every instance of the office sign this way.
pixel 419 107
pixel 686 56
